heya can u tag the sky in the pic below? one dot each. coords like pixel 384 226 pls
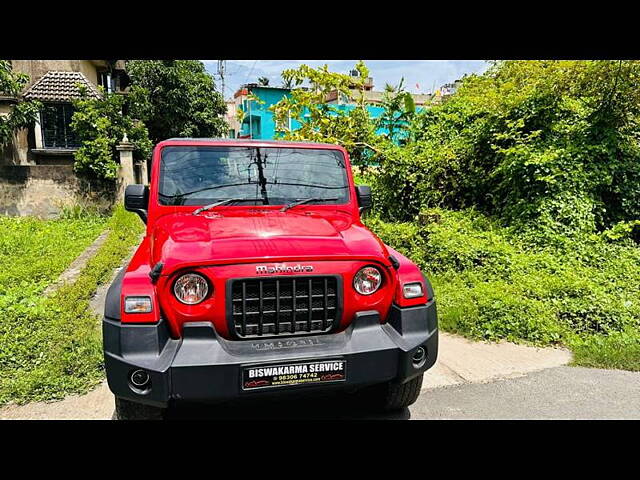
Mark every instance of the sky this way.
pixel 429 75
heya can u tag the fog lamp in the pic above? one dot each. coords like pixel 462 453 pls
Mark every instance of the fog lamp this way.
pixel 139 378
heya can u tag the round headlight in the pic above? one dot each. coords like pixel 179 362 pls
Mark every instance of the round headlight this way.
pixel 191 288
pixel 367 280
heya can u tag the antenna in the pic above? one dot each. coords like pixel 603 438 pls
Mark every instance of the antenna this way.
pixel 222 65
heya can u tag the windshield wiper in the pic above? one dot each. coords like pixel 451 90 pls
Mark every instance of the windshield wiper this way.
pixel 306 200
pixel 182 196
pixel 223 202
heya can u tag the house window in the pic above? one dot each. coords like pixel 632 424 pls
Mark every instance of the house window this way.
pixel 107 81
pixel 55 125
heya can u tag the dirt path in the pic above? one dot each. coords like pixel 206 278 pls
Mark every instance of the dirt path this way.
pixel 463 361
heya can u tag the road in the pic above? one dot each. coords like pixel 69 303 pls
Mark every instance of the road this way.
pixel 554 393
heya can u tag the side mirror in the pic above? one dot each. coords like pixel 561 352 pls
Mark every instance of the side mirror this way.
pixel 136 199
pixel 364 197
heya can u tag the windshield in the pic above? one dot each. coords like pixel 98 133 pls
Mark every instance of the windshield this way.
pixel 198 175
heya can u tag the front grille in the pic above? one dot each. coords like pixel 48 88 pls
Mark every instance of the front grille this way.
pixel 284 306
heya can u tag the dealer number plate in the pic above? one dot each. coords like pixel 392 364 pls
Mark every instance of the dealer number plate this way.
pixel 299 373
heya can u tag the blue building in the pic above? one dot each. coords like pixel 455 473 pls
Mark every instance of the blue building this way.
pixel 258 121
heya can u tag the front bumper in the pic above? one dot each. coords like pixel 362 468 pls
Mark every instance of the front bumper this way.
pixel 204 367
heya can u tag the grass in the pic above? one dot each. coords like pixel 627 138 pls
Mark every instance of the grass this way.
pixel 493 283
pixel 34 252
pixel 51 346
pixel 618 350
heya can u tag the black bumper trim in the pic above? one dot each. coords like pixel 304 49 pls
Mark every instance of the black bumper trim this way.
pixel 204 367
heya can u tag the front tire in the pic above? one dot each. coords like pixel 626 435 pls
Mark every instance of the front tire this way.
pixel 128 410
pixel 393 396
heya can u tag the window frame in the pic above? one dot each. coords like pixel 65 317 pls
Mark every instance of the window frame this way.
pixel 69 142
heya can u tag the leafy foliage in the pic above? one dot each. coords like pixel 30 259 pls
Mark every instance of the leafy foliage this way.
pixel 176 98
pixel 23 113
pixel 321 121
pixel 491 284
pixel 549 143
pixel 51 346
pixel 100 125
pixel 399 109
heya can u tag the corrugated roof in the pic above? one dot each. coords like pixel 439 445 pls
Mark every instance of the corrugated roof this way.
pixel 60 87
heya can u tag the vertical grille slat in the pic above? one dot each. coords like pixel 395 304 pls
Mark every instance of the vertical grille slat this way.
pixel 325 304
pixel 293 308
pixel 244 308
pixel 277 306
pixel 267 307
pixel 310 300
pixel 260 315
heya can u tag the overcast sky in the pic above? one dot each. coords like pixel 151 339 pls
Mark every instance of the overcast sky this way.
pixel 425 73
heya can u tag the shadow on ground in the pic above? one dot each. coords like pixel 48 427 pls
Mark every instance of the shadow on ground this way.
pixel 334 407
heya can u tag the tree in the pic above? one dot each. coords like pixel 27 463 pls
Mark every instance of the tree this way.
pixel 323 122
pixel 176 98
pixel 23 113
pixel 399 108
pixel 100 125
pixel 550 145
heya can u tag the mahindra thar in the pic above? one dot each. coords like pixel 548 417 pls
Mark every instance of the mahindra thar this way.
pixel 256 277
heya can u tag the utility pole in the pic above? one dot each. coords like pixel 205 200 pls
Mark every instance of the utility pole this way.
pixel 222 65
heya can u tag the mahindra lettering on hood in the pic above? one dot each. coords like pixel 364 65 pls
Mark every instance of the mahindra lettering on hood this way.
pixel 251 244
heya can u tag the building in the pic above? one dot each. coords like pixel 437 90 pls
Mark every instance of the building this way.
pixel 254 100
pixel 371 96
pixel 36 167
pixel 232 118
pixel 55 84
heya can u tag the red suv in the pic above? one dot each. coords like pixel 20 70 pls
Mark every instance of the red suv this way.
pixel 256 277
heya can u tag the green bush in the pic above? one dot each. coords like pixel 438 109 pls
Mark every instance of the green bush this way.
pixel 549 144
pixel 51 346
pixel 493 283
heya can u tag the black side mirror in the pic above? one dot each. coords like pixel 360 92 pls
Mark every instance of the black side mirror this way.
pixel 136 199
pixel 364 197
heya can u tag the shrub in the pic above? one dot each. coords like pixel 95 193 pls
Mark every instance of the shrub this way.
pixel 493 283
pixel 548 144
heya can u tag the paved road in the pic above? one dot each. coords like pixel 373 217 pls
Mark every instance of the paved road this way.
pixel 555 393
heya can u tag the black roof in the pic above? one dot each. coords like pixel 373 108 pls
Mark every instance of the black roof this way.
pixel 242 140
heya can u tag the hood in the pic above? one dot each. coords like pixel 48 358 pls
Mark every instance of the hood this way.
pixel 180 239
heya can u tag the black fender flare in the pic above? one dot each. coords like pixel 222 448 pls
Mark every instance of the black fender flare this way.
pixel 430 292
pixel 112 300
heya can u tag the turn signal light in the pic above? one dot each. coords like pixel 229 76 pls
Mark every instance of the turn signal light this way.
pixel 137 304
pixel 412 290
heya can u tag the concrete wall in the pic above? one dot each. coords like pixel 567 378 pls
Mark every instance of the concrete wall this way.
pixel 42 190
